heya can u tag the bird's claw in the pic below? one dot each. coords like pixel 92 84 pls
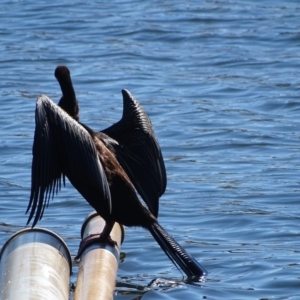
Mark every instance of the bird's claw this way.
pixel 93 239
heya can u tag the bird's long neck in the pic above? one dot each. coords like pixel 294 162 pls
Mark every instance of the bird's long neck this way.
pixel 68 101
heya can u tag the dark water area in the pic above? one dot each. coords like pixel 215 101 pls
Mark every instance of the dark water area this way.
pixel 220 82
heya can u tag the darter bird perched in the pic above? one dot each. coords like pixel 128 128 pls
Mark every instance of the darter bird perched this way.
pixel 64 147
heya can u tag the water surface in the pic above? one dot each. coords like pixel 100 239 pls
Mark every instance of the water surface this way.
pixel 220 82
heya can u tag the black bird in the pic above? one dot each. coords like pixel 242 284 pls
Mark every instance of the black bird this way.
pixel 132 140
pixel 64 147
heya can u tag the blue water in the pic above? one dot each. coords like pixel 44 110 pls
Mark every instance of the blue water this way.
pixel 220 82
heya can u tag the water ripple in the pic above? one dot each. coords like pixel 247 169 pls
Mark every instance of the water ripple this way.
pixel 220 81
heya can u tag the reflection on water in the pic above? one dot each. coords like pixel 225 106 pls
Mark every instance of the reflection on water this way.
pixel 220 81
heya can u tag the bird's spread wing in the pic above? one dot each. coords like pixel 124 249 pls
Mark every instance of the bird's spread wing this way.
pixel 63 147
pixel 138 151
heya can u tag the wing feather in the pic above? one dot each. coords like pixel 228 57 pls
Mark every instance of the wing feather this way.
pixel 138 151
pixel 63 147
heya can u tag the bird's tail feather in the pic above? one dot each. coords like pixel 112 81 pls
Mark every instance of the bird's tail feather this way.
pixel 176 253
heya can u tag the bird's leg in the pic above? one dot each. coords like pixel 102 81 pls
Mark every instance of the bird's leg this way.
pixel 103 237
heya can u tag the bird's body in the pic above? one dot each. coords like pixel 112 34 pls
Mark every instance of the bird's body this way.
pixel 126 207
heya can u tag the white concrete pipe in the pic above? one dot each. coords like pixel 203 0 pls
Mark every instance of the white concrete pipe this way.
pixel 35 264
pixel 99 262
